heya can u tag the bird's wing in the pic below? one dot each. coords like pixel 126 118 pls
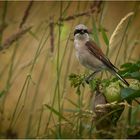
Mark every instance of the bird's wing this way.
pixel 97 52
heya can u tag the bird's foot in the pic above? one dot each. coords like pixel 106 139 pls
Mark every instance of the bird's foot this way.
pixel 88 79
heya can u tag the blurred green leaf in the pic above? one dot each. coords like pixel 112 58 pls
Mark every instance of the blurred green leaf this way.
pixel 131 70
pixel 135 75
pixel 2 93
pixel 104 35
pixel 95 33
pixel 131 67
pixel 126 65
pixel 129 94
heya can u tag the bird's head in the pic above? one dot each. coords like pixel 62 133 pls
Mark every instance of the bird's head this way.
pixel 81 32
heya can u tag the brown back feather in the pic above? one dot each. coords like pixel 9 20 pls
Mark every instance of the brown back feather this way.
pixel 97 52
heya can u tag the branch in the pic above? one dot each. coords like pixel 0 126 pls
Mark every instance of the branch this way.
pixel 95 7
pixel 26 14
pixel 14 37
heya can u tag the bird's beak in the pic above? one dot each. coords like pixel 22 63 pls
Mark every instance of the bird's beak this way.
pixel 82 32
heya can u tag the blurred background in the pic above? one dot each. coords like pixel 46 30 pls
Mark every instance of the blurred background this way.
pixel 37 55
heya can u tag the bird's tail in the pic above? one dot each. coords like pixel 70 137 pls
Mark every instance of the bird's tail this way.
pixel 122 79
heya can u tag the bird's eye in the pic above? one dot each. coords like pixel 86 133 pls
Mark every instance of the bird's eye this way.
pixel 85 31
pixel 77 31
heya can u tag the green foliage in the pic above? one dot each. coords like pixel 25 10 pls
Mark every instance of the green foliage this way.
pixel 95 33
pixel 2 93
pixel 131 70
pixel 116 91
pixel 104 35
pixel 93 84
pixel 129 94
pixel 77 81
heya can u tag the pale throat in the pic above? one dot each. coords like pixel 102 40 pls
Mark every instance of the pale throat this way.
pixel 80 42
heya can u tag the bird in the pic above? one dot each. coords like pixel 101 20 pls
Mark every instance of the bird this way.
pixel 91 56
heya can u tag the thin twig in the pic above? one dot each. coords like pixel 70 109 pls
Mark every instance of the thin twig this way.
pixel 51 34
pixel 3 21
pixel 94 8
pixel 14 37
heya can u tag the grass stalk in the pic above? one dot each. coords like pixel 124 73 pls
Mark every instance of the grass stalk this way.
pixel 58 73
pixel 39 121
pixel 40 47
pixel 16 106
pixel 26 13
pixel 34 100
pixel 3 19
pixel 8 83
pixel 67 70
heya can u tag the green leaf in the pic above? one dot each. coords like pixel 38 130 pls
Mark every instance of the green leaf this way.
pixel 129 94
pixel 95 33
pixel 127 65
pixel 93 84
pixel 104 35
pixel 131 67
pixel 135 75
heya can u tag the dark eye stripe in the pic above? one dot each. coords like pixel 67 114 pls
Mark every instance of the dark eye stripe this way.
pixel 81 31
pixel 85 31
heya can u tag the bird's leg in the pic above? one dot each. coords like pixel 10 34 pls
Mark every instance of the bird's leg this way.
pixel 90 77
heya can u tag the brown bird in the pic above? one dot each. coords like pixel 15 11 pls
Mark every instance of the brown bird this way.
pixel 90 55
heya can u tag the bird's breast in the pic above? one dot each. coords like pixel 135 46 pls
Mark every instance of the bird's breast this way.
pixel 88 60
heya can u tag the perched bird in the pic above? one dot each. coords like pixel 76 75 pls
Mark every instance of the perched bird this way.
pixel 90 55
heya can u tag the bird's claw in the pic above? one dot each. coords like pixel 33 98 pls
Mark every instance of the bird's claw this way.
pixel 88 79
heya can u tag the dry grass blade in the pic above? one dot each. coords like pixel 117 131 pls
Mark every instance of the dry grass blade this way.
pixel 26 14
pixel 10 40
pixel 119 29
pixel 94 8
pixel 52 34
